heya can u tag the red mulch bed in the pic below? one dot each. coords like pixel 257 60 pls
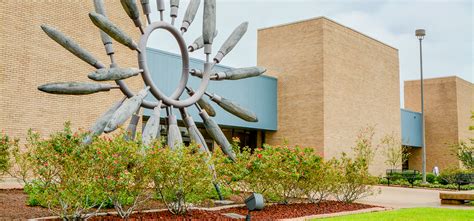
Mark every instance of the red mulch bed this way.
pixel 12 206
pixel 270 212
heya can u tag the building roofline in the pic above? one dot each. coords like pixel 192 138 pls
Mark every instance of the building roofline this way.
pixel 438 78
pixel 328 19
pixel 199 60
pixel 408 110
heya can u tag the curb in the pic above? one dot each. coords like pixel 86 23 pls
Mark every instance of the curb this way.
pixel 369 210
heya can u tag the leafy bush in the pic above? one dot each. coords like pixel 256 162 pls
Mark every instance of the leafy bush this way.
pixel 448 175
pixel 279 173
pixel 464 151
pixel 292 168
pixel 6 144
pixel 447 186
pixel 430 178
pixel 247 174
pixel 63 182
pixel 181 176
pixel 320 180
pixel 353 179
pixel 74 180
pixel 121 173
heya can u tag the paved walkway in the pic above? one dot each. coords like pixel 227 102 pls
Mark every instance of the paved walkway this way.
pixel 398 197
pixel 9 183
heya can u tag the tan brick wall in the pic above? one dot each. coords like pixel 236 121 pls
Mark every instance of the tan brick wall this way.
pixel 448 102
pixel 332 82
pixel 30 58
pixel 361 89
pixel 465 96
pixel 293 54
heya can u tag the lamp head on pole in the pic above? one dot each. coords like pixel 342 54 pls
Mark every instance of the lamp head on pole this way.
pixel 420 33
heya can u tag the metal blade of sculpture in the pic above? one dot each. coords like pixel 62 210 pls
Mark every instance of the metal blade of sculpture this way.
pixel 203 103
pixel 108 74
pixel 152 127
pixel 233 74
pixel 130 106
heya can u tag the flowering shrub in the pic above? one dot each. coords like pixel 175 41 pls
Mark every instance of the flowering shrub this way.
pixel 75 181
pixel 181 176
pixel 282 173
pixel 290 168
pixel 61 170
pixel 320 181
pixel 120 170
pixel 276 172
pixel 247 174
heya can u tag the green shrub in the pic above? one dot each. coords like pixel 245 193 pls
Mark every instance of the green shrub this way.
pixel 383 180
pixel 293 168
pixel 430 178
pixel 35 190
pixel 181 176
pixel 464 151
pixel 448 175
pixel 247 174
pixel 61 168
pixel 353 180
pixel 279 173
pixel 320 180
pixel 6 144
pixel 120 168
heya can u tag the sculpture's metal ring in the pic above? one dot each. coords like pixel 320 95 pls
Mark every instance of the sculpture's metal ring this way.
pixel 172 100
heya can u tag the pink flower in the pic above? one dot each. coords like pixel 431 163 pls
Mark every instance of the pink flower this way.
pixel 259 155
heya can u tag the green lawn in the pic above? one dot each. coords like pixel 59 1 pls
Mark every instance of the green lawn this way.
pixel 415 214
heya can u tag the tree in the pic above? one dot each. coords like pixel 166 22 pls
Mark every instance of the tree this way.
pixel 396 154
pixel 464 151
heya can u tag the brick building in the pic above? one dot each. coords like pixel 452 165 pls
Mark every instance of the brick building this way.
pixel 30 58
pixel 332 82
pixel 448 105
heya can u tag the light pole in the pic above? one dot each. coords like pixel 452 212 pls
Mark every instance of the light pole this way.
pixel 420 34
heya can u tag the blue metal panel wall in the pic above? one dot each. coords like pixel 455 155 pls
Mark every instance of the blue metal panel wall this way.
pixel 411 128
pixel 258 94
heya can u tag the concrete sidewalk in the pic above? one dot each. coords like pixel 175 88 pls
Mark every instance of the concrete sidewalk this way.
pixel 399 197
pixel 10 183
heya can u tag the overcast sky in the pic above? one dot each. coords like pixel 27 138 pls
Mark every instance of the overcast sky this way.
pixel 447 48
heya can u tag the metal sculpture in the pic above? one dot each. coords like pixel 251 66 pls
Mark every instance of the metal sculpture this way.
pixel 129 106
